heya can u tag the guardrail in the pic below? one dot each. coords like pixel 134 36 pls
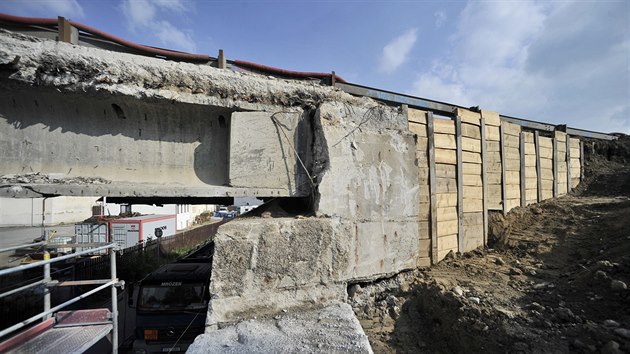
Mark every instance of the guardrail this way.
pixel 47 282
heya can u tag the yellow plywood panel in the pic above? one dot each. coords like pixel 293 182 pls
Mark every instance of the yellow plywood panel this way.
pixel 423 173
pixel 447 213
pixel 530 149
pixel 472 205
pixel 561 136
pixel 546 163
pixel 470 144
pixel 512 165
pixel 448 157
pixel 511 141
pixel 473 157
pixel 423 230
pixel 422 143
pixel 445 171
pixel 446 200
pixel 473 192
pixel 472 180
pixel 511 129
pixel 417 116
pixel 575 152
pixel 574 143
pixel 545 142
pixel 530 160
pixel 512 152
pixel 447 243
pixel 418 129
pixel 444 126
pixel 446 185
pixel 529 138
pixel 491 118
pixel 492 133
pixel 471 131
pixel 531 182
pixel 493 177
pixel 545 153
pixel 471 168
pixel 472 219
pixel 493 146
pixel 445 141
pixel 546 174
pixel 469 116
pixel 447 227
pixel 512 192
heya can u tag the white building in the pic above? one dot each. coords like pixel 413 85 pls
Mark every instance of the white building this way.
pixel 70 210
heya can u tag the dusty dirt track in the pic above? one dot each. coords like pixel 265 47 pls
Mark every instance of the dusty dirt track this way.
pixel 553 280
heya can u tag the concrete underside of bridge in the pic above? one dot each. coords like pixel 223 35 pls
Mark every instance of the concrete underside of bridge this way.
pixel 85 121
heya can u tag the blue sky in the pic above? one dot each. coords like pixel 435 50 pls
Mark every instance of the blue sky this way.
pixel 554 61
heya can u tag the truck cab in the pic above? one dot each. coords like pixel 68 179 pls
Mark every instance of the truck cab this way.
pixel 171 306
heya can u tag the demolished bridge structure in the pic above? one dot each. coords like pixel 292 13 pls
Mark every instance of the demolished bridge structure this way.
pixel 393 182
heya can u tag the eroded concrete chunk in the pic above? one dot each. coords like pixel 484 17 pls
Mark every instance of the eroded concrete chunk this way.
pixel 332 329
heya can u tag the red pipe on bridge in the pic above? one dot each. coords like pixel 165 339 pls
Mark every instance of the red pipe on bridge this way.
pixel 169 54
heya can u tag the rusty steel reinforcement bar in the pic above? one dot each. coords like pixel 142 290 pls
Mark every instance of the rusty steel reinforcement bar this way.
pixel 449 109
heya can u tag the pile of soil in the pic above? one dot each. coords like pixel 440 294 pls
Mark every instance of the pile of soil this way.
pixel 555 279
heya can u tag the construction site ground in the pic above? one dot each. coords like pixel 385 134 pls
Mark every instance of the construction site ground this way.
pixel 554 279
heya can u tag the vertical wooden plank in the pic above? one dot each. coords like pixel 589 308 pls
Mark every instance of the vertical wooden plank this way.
pixel 460 183
pixel 554 159
pixel 582 159
pixel 432 189
pixel 484 181
pixel 568 164
pixel 538 180
pixel 521 148
pixel 64 30
pixel 502 152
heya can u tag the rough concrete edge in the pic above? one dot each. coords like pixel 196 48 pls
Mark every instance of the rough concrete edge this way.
pixel 70 68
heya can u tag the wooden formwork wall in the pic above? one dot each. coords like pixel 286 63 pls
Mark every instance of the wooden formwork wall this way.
pixel 576 156
pixel 493 162
pixel 545 148
pixel 475 163
pixel 471 211
pixel 418 125
pixel 511 158
pixel 561 163
pixel 531 176
pixel 446 185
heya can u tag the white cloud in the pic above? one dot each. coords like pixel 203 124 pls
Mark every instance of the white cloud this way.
pixel 147 16
pixel 139 13
pixel 173 37
pixel 556 62
pixel 45 8
pixel 440 18
pixel 395 53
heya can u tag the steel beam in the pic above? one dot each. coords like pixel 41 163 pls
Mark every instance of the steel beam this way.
pixel 589 134
pixel 399 98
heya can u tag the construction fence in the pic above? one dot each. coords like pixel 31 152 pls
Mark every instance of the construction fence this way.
pixel 475 162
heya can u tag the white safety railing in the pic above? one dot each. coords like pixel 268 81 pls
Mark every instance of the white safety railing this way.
pixel 47 282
